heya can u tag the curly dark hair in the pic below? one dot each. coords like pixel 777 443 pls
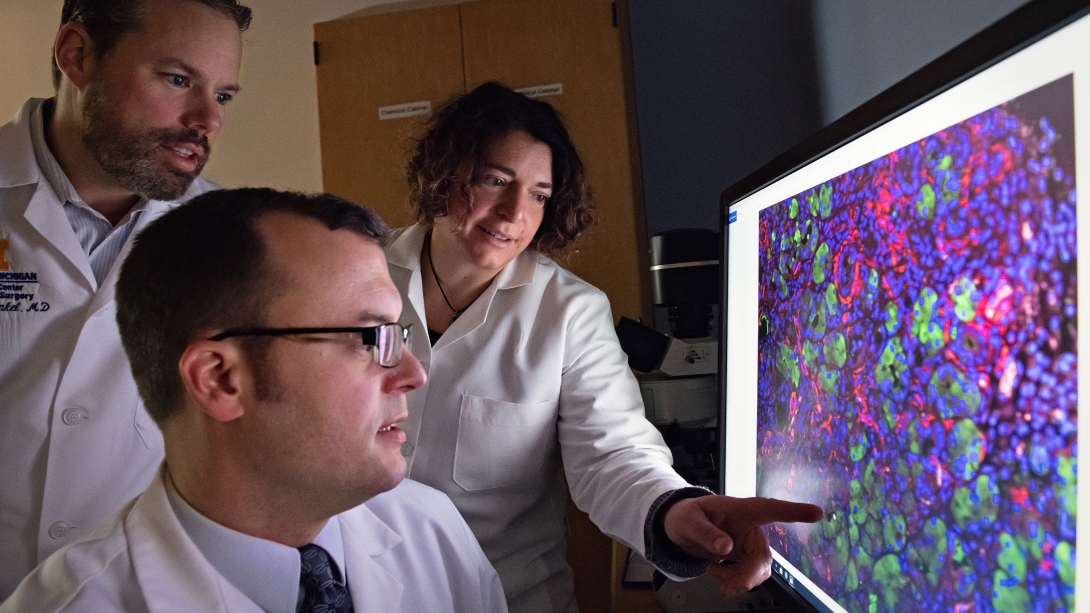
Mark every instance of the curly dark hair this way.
pixel 107 20
pixel 451 155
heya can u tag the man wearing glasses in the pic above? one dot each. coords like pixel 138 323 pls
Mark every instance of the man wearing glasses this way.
pixel 258 326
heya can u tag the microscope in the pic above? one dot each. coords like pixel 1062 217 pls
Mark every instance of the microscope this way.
pixel 677 371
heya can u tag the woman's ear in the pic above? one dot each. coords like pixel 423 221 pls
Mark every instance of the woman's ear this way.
pixel 213 373
pixel 74 53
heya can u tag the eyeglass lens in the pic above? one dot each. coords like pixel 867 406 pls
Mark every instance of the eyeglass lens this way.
pixel 391 344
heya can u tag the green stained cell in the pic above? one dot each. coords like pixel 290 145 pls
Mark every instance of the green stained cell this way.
pixel 872 604
pixel 858 450
pixel 946 162
pixel 788 364
pixel 959 551
pixel 809 352
pixel 828 379
pixel 894 531
pixel 835 350
pixel 820 259
pixel 892 365
pixel 953 387
pixel 870 288
pixel 812 201
pixel 851 582
pixel 966 450
pixel 936 529
pixel 1032 544
pixel 1065 487
pixel 1008 598
pixel 853 531
pixel 863 559
pixel 817 319
pixel 925 206
pixel 891 422
pixel 797 238
pixel 933 546
pixel 892 318
pixel 825 201
pixel 974 502
pixel 855 488
pixel 961 294
pixel 782 283
pixel 793 211
pixel 869 474
pixel 887 574
pixel 843 549
pixel 1065 563
pixel 1008 585
pixel 929 332
pixel 874 530
pixel 831 302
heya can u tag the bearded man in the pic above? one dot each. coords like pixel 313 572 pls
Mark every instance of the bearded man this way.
pixel 141 87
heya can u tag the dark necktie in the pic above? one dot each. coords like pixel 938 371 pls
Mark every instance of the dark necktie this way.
pixel 323 590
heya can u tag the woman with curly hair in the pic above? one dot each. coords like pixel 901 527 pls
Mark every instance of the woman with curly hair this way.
pixel 527 381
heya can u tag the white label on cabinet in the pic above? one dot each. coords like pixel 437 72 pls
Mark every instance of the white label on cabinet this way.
pixel 540 91
pixel 408 109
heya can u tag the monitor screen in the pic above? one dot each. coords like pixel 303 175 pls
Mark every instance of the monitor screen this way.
pixel 900 344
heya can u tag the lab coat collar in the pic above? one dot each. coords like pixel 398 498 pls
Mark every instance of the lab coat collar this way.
pixel 16 149
pixel 367 537
pixel 152 529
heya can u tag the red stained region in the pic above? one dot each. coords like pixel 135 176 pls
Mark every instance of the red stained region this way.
pixel 1019 495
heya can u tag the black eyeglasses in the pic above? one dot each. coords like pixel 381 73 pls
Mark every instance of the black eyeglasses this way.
pixel 388 340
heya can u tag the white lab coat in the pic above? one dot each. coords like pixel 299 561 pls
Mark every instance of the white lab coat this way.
pixel 75 441
pixel 405 550
pixel 531 378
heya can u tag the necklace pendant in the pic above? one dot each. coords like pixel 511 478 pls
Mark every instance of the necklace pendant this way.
pixel 452 319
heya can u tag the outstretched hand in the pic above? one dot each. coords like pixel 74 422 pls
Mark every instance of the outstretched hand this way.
pixel 718 528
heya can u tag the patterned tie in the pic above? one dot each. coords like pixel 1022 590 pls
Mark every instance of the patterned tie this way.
pixel 319 578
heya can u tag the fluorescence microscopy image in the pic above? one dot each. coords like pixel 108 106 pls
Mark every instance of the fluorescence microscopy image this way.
pixel 918 368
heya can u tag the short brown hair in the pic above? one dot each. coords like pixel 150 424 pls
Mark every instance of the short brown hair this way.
pixel 451 155
pixel 202 266
pixel 106 20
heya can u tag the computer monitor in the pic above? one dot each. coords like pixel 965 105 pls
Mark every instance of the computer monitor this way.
pixel 900 333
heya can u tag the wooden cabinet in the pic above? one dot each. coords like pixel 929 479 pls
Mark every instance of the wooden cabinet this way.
pixel 375 62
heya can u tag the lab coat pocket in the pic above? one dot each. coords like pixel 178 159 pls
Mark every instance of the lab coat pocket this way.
pixel 502 443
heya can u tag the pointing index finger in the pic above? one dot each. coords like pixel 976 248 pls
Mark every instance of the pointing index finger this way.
pixel 769 510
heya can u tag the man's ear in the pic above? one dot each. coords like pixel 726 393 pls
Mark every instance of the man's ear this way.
pixel 214 373
pixel 74 53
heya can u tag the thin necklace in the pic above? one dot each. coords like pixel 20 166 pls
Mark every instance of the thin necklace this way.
pixel 450 306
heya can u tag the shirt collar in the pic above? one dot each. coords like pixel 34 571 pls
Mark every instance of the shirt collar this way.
pixel 51 170
pixel 264 571
pixel 47 164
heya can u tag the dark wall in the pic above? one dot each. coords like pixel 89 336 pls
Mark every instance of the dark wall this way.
pixel 722 87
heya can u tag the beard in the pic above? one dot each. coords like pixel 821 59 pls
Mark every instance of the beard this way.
pixel 130 156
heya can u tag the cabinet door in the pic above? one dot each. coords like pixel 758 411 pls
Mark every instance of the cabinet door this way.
pixel 573 43
pixel 374 61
